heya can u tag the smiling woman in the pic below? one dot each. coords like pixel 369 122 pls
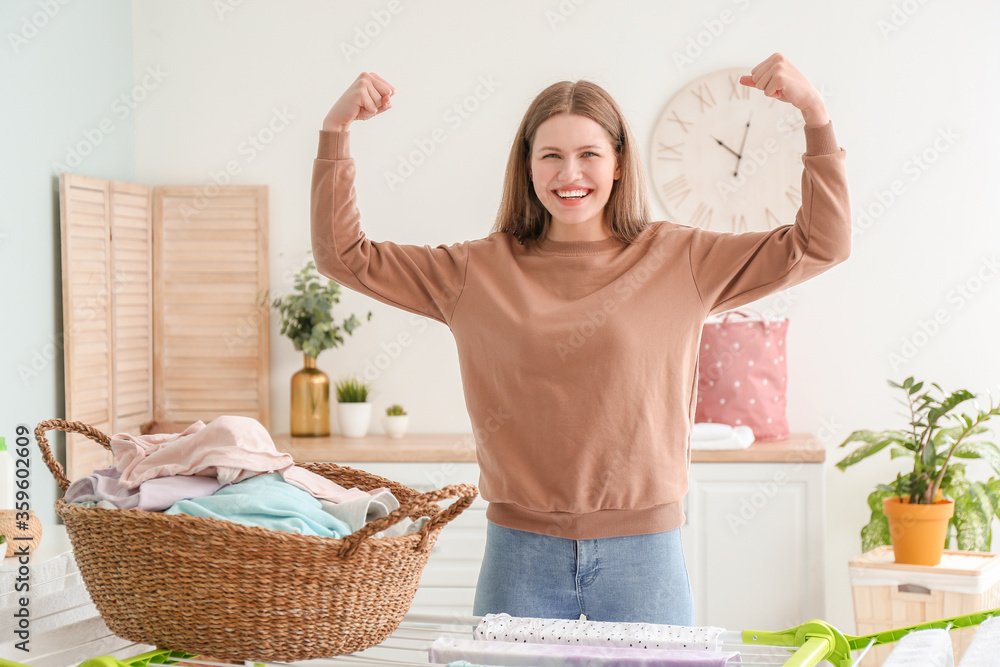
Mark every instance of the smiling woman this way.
pixel 573 137
pixel 579 319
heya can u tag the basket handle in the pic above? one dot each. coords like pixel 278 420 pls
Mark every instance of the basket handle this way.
pixel 69 427
pixel 424 504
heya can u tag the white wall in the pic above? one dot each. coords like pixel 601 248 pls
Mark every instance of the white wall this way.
pixel 64 67
pixel 228 74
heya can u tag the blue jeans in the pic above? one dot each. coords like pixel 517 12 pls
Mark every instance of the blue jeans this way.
pixel 635 578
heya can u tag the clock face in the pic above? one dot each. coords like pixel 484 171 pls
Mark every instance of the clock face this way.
pixel 727 157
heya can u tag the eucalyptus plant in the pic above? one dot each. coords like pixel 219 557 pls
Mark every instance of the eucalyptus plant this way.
pixel 935 437
pixel 307 312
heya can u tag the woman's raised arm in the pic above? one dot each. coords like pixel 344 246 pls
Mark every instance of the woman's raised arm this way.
pixel 419 279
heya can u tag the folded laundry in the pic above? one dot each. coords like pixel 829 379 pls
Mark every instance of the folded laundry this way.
pixel 268 501
pixel 925 648
pixel 708 435
pixel 446 649
pixel 104 488
pixel 507 628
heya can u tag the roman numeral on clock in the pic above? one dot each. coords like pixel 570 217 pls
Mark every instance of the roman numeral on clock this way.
pixel 676 189
pixel 666 152
pixel 740 224
pixel 737 91
pixel 704 96
pixel 677 119
pixel 702 216
pixel 794 195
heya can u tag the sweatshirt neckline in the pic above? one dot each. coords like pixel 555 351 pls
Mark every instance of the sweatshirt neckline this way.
pixel 549 246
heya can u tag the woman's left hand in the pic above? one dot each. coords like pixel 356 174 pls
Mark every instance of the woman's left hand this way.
pixel 779 79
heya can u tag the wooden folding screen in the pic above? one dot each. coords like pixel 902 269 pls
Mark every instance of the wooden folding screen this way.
pixel 211 350
pixel 161 315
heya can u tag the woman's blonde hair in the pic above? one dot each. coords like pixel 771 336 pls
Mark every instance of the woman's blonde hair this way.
pixel 627 210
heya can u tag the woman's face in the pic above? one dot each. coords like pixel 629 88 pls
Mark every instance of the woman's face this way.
pixel 573 167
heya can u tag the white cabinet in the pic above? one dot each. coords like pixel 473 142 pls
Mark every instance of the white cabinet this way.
pixel 753 541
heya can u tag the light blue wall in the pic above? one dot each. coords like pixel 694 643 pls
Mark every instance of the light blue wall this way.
pixel 62 68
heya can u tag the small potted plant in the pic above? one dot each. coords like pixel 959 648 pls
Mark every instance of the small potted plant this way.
pixel 353 408
pixel 395 420
pixel 307 318
pixel 914 512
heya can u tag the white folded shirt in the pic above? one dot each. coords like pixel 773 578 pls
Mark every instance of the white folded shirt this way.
pixel 708 435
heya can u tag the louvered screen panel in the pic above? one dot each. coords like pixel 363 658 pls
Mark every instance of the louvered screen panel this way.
pixel 132 313
pixel 88 355
pixel 210 269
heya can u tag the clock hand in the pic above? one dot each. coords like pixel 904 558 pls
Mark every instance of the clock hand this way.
pixel 726 147
pixel 742 146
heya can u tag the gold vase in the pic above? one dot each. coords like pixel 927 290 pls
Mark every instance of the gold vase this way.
pixel 310 401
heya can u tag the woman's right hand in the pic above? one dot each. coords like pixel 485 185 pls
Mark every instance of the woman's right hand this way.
pixel 368 96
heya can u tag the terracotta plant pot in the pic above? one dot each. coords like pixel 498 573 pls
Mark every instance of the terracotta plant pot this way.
pixel 918 532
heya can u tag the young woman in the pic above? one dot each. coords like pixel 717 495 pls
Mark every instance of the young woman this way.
pixel 577 322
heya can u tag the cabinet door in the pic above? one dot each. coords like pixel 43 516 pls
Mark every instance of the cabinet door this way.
pixel 755 544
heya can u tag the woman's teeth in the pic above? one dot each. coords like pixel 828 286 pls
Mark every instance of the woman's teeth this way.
pixel 572 194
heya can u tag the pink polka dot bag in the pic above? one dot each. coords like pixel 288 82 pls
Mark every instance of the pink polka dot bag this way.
pixel 742 374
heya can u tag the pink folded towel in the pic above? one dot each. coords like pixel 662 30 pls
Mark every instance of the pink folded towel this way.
pixel 229 448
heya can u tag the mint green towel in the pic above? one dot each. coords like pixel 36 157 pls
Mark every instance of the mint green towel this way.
pixel 268 501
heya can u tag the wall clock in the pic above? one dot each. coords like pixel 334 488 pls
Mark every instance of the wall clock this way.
pixel 728 158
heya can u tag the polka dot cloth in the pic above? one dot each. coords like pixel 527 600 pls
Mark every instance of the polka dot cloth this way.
pixel 742 375
pixel 506 628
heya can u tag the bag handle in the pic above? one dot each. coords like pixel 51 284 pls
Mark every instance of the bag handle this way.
pixel 70 427
pixel 419 505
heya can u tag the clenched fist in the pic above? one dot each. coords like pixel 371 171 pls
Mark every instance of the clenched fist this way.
pixel 368 96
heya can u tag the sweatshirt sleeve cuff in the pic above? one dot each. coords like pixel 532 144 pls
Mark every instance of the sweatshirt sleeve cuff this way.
pixel 334 145
pixel 821 140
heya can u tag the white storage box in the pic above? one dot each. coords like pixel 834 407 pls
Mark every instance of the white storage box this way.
pixel 889 595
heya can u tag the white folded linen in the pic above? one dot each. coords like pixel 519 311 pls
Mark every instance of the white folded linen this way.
pixel 707 435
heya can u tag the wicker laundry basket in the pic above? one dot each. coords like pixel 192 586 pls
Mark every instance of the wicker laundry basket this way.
pixel 213 587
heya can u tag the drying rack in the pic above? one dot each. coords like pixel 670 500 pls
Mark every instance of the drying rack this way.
pixel 808 645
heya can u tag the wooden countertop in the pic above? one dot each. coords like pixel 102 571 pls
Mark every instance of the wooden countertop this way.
pixel 461 448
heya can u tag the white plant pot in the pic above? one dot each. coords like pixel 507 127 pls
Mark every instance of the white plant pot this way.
pixel 395 425
pixel 354 419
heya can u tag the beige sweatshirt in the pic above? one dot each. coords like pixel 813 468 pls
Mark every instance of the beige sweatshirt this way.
pixel 579 359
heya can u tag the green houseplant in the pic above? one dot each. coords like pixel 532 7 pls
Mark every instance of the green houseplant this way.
pixel 395 421
pixel 353 408
pixel 937 435
pixel 307 319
